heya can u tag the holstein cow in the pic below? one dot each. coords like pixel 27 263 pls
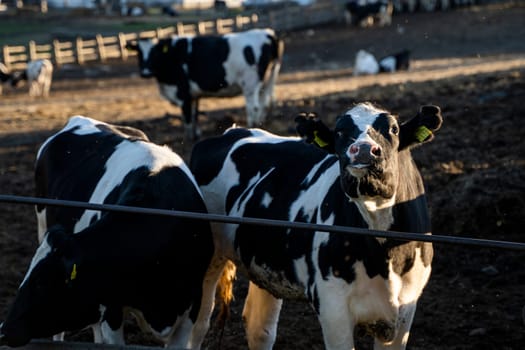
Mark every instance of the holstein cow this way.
pixel 39 75
pixel 187 68
pixel 361 175
pixel 93 267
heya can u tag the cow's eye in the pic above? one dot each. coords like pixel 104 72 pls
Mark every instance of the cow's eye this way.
pixel 394 129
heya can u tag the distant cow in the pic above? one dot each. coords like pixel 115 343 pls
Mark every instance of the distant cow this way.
pixel 5 76
pixel 366 63
pixel 362 175
pixel 395 62
pixel 93 267
pixel 39 75
pixel 187 68
pixel 367 12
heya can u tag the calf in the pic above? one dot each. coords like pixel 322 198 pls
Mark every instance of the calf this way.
pixel 39 75
pixel 361 175
pixel 92 267
pixel 366 12
pixel 187 68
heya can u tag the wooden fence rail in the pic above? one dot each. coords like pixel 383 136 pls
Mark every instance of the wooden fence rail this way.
pixel 102 48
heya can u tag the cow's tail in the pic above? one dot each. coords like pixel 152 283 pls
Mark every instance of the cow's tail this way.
pixel 275 66
pixel 225 292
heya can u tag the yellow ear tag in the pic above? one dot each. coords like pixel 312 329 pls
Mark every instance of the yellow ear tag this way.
pixel 73 272
pixel 165 48
pixel 318 140
pixel 422 133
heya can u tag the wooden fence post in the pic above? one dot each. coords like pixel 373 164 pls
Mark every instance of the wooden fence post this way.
pixel 79 50
pixel 101 48
pixel 122 43
pixel 32 50
pixel 180 28
pixel 201 27
pixel 56 52
pixel 7 58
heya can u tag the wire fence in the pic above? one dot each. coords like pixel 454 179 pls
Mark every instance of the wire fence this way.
pixel 405 236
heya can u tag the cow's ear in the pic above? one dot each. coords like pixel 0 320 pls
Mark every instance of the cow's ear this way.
pixel 57 237
pixel 421 128
pixel 314 131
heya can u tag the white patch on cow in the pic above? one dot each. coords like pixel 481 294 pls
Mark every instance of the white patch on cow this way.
pixel 388 64
pixel 43 250
pixel 364 115
pixel 377 211
pixel 145 48
pixel 266 200
pixel 42 224
pixel 127 157
pixel 365 63
pixel 372 299
pixel 169 92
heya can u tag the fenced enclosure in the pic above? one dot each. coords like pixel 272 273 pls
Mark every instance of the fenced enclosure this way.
pixel 103 48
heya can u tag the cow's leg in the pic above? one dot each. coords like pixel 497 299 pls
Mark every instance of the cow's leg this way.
pixel 254 110
pixel 221 272
pixel 180 337
pixel 260 317
pixel 406 316
pixel 269 87
pixel 190 110
pixel 335 319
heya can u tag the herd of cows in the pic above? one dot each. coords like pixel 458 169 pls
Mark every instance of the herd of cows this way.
pixel 93 269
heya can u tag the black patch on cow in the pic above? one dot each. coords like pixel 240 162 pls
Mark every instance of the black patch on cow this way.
pixel 249 55
pixel 206 62
pixel 208 156
pixel 66 162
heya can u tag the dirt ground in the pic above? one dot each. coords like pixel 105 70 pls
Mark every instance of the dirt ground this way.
pixel 469 61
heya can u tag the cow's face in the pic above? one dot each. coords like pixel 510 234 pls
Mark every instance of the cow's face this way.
pixel 366 143
pixel 144 50
pixel 47 301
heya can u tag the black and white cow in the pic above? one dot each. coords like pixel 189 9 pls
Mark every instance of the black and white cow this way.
pixel 39 76
pixel 92 267
pixel 361 175
pixel 187 68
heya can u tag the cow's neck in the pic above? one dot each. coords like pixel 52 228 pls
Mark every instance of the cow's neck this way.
pixel 376 211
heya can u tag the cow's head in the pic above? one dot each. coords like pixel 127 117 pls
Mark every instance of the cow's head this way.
pixel 145 51
pixel 48 300
pixel 368 142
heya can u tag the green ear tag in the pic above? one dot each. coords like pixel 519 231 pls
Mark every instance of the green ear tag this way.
pixel 73 273
pixel 422 133
pixel 318 140
pixel 165 48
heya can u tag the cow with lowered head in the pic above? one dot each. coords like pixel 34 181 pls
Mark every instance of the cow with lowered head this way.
pixel 361 175
pixel 94 267
pixel 188 68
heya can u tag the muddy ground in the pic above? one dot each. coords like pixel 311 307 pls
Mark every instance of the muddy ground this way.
pixel 469 61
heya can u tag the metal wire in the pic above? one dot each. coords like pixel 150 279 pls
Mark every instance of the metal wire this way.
pixel 405 236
